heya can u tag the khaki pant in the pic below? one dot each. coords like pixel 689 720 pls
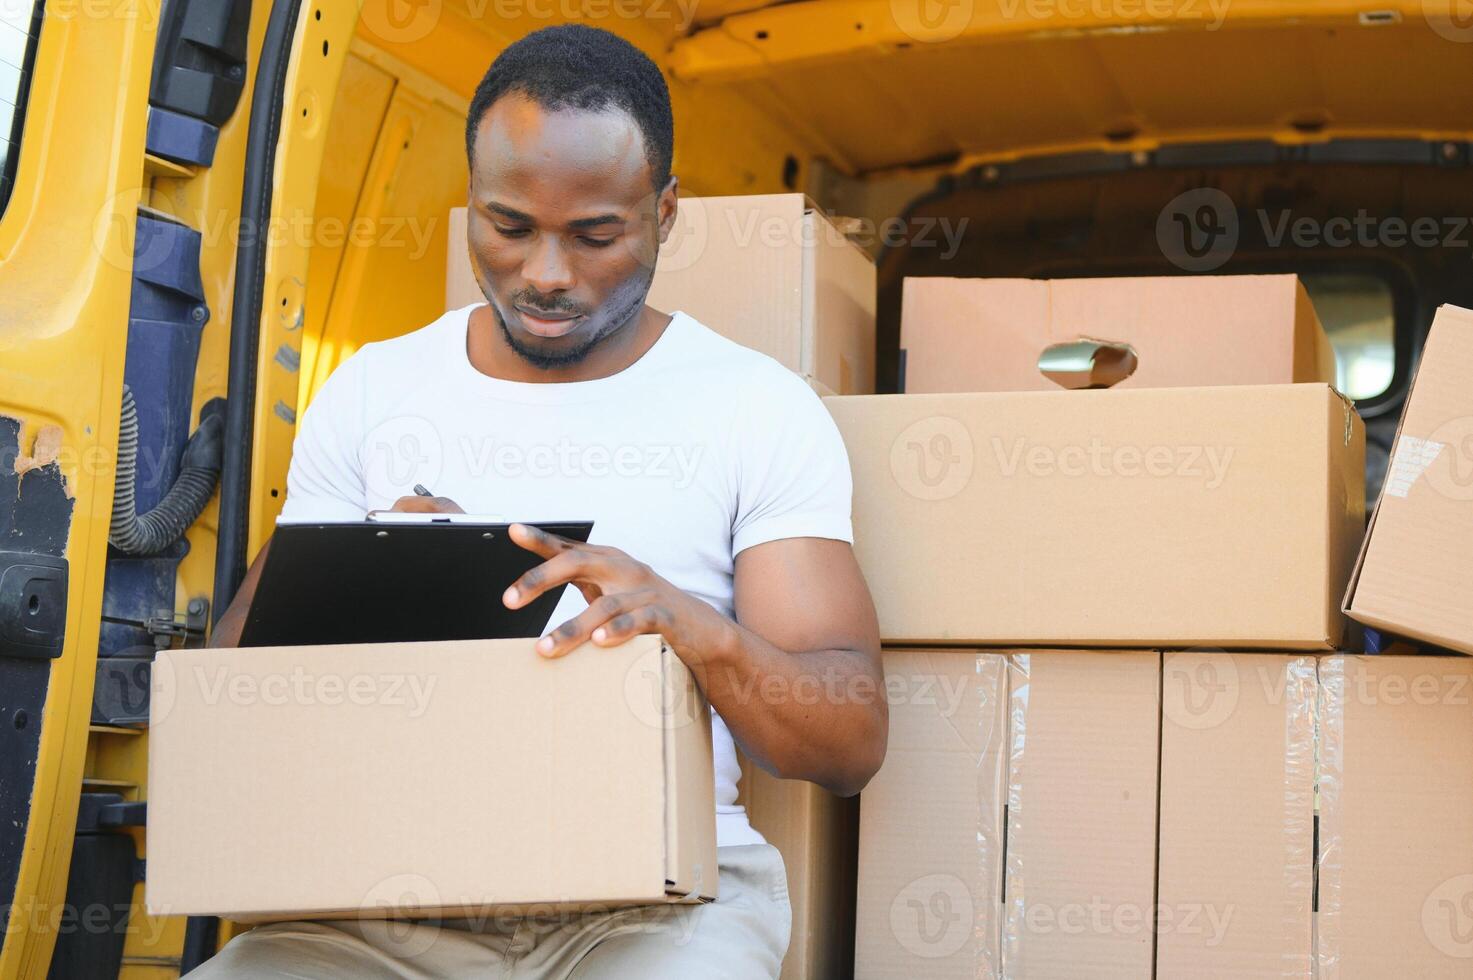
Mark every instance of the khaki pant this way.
pixel 743 936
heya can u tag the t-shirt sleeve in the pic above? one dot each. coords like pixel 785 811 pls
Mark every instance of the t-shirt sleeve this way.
pixel 324 482
pixel 793 470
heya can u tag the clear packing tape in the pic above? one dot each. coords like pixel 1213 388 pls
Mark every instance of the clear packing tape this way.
pixel 1190 813
pixel 1096 828
pixel 1330 768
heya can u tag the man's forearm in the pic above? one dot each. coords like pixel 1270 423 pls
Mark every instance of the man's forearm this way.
pixel 817 715
pixel 227 631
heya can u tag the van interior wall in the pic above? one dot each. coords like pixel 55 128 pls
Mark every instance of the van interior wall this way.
pixel 1107 225
pixel 395 164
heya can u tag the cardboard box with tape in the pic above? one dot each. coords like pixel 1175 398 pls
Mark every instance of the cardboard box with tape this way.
pixel 1291 814
pixel 1012 828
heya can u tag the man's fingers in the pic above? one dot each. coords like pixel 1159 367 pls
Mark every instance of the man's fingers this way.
pixel 541 542
pixel 557 570
pixel 600 612
pixel 647 618
pixel 426 505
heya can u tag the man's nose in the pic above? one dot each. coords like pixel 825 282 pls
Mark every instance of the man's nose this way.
pixel 547 269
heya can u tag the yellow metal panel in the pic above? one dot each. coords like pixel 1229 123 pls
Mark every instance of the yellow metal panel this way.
pixel 65 242
pixel 393 279
pixel 358 114
pixel 321 47
pixel 1040 76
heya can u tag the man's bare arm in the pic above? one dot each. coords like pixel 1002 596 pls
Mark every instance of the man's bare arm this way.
pixel 227 631
pixel 797 677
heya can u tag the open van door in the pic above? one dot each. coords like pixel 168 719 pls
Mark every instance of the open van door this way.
pixel 77 92
pixel 120 177
pixel 160 172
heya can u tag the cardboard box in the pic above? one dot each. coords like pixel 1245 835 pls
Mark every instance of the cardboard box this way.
pixel 1186 331
pixel 1166 517
pixel 817 834
pixel 1083 738
pixel 1012 828
pixel 769 271
pixel 1417 561
pixel 1396 817
pixel 427 779
pixel 1235 879
pixel 931 822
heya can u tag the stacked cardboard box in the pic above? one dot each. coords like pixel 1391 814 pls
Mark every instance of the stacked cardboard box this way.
pixel 1071 814
pixel 1414 571
pixel 1081 781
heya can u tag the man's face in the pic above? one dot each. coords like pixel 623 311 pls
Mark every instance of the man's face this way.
pixel 564 225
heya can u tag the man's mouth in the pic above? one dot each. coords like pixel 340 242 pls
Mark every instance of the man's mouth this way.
pixel 547 323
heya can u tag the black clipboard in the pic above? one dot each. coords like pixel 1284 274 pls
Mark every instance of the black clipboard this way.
pixel 366 582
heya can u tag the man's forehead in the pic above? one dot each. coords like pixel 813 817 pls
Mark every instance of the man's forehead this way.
pixel 521 142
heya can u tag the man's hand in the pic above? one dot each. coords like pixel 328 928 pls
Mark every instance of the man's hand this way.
pixel 796 676
pixel 625 598
pixel 416 504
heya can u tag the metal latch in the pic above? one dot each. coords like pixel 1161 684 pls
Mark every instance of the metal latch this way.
pixel 165 628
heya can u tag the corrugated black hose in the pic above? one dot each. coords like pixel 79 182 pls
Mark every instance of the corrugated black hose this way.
pixel 133 533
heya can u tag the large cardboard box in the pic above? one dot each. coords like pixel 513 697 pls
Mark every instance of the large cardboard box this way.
pixel 1417 563
pixel 427 779
pixel 987 334
pixel 769 271
pixel 1164 517
pixel 817 834
pixel 1012 828
pixel 1235 878
pixel 1396 817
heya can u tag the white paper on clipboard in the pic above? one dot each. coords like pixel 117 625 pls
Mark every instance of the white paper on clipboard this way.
pixel 414 517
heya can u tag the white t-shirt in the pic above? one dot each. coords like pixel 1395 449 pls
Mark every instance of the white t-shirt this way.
pixel 698 450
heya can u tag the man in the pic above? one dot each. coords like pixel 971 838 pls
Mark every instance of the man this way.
pixel 718 485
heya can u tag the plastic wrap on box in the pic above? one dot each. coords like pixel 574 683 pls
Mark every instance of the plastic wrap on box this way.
pixel 931 832
pixel 1081 813
pixel 1235 868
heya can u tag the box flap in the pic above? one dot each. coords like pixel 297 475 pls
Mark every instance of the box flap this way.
pixel 690 800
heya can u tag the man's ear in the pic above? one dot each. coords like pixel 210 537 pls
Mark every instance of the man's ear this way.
pixel 667 205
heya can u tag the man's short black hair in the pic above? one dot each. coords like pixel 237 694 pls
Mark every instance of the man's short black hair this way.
pixel 573 66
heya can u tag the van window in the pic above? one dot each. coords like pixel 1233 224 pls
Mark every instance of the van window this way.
pixel 1358 313
pixel 20 23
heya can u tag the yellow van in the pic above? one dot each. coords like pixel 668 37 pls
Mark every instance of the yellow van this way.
pixel 202 198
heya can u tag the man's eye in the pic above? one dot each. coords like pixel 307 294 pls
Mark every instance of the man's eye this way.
pixel 596 242
pixel 512 232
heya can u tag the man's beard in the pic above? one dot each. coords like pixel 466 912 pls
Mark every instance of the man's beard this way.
pixel 619 315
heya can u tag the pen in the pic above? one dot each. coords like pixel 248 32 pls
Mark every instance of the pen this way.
pixel 421 491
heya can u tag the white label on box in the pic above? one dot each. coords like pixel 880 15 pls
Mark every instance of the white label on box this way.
pixel 1410 460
